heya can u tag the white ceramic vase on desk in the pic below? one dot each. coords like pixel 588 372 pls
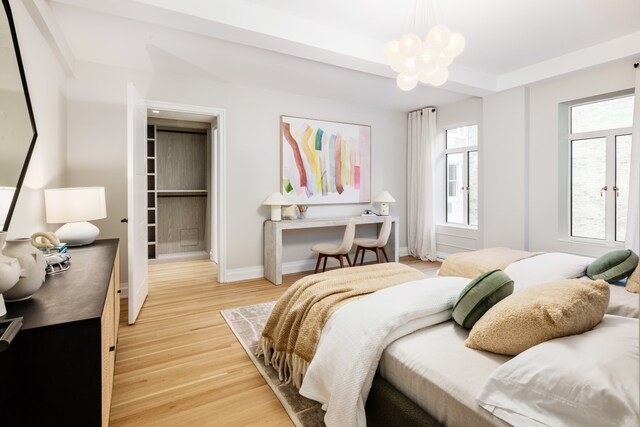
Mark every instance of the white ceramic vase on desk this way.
pixel 9 273
pixel 32 269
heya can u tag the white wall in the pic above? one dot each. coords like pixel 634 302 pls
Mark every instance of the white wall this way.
pixel 97 153
pixel 504 177
pixel 545 133
pixel 521 179
pixel 450 238
pixel 46 81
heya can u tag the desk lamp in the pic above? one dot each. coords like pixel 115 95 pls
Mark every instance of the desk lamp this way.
pixel 74 207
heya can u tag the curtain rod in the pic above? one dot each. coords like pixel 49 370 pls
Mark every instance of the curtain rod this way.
pixel 420 109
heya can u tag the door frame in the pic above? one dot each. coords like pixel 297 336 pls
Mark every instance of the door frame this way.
pixel 218 183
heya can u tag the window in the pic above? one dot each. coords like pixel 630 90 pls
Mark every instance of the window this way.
pixel 600 149
pixel 461 155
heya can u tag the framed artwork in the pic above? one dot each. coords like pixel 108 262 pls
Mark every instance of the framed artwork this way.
pixel 324 162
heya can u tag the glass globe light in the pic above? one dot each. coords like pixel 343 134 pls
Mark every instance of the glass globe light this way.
pixel 408 66
pixel 456 45
pixel 426 76
pixel 444 60
pixel 439 76
pixel 391 50
pixel 410 44
pixel 406 82
pixel 396 63
pixel 439 37
pixel 426 60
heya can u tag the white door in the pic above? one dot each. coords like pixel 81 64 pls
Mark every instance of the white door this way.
pixel 137 190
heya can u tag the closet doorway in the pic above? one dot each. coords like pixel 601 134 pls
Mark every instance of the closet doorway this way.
pixel 185 198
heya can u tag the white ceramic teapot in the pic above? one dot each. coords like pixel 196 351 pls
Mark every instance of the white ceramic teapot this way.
pixel 32 269
pixel 9 273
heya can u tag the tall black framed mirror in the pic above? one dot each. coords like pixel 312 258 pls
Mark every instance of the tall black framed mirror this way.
pixel 18 132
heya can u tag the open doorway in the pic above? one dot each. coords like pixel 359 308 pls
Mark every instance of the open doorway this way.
pixel 185 194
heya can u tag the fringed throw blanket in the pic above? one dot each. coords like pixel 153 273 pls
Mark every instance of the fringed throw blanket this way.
pixel 472 264
pixel 290 336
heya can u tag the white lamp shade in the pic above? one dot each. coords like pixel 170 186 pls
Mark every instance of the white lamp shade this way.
pixel 275 199
pixel 74 204
pixel 384 197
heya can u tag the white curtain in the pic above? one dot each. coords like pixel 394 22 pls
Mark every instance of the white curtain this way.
pixel 632 239
pixel 420 181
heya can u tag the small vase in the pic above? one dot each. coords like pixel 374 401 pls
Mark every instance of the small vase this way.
pixel 9 273
pixel 32 269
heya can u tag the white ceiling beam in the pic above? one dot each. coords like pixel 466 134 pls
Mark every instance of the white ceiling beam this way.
pixel 274 30
pixel 626 47
pixel 255 25
pixel 45 20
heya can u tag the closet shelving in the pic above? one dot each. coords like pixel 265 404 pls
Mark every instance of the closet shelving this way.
pixel 178 197
pixel 152 194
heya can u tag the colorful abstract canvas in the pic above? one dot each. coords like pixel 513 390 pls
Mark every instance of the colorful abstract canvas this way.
pixel 325 162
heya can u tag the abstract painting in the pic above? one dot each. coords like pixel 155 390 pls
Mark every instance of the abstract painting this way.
pixel 324 162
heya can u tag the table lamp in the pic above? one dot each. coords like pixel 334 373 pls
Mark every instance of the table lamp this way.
pixel 384 199
pixel 275 200
pixel 75 206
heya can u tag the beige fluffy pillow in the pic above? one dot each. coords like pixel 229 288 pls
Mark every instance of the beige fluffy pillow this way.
pixel 540 313
pixel 633 282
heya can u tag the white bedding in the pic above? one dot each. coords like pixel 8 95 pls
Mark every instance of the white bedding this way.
pixel 553 266
pixel 588 380
pixel 434 369
pixel 623 302
pixel 352 341
pixel 547 267
pixel 354 337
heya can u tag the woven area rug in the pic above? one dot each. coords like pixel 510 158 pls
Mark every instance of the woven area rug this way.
pixel 247 324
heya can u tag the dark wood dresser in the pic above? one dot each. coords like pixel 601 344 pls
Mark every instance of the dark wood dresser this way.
pixel 59 368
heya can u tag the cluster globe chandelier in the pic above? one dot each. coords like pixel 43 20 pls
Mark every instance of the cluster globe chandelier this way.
pixel 423 60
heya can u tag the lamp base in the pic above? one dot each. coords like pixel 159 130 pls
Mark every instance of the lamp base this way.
pixel 78 233
pixel 276 213
pixel 384 209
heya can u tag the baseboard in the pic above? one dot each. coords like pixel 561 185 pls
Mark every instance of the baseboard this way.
pixel 124 290
pixel 179 256
pixel 257 271
pixel 244 273
pixel 298 266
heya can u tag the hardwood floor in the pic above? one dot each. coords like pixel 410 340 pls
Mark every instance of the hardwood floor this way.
pixel 180 364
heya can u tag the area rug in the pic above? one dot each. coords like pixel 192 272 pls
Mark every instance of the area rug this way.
pixel 247 324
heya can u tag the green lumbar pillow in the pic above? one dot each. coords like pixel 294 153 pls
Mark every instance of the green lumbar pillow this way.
pixel 480 295
pixel 613 266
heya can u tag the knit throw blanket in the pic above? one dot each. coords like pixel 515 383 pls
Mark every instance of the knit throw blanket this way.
pixel 473 264
pixel 291 334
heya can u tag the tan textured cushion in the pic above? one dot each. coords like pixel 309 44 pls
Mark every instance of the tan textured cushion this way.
pixel 633 282
pixel 540 313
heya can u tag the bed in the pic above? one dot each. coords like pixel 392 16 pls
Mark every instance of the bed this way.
pixel 428 376
pixel 434 369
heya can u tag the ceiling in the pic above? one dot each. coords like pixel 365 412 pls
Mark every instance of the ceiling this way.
pixel 333 48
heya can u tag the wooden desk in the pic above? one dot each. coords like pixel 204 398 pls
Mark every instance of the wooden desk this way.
pixel 273 239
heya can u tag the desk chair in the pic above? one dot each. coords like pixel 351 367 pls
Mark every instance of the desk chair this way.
pixel 374 244
pixel 326 250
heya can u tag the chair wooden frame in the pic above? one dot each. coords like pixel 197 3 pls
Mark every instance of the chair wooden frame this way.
pixel 364 249
pixel 338 257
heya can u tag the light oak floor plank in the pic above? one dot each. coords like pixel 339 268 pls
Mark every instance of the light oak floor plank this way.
pixel 180 364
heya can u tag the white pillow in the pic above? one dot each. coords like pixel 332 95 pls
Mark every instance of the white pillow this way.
pixel 589 379
pixel 545 268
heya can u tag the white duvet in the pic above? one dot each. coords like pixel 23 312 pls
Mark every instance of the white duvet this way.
pixel 353 339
